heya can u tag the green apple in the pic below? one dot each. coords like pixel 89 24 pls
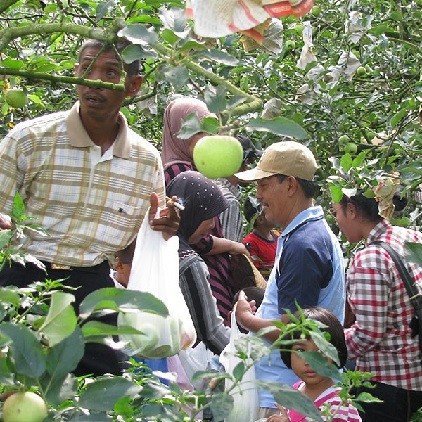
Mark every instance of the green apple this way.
pixel 361 71
pixel 24 407
pixel 290 45
pixel 316 10
pixel 15 97
pixel 351 148
pixel 218 156
pixel 343 139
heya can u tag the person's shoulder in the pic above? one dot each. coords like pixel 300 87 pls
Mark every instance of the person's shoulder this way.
pixel 40 123
pixel 142 145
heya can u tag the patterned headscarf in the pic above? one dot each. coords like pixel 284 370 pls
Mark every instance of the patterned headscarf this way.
pixel 202 200
pixel 174 149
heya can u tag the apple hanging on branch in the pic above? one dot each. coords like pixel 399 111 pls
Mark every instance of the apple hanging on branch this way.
pixel 218 156
pixel 24 407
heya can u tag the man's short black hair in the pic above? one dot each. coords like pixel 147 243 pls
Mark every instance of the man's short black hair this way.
pixel 131 69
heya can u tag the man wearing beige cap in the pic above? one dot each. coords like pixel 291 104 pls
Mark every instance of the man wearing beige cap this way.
pixel 308 268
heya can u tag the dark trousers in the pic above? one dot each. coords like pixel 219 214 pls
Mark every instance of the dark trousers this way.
pixel 398 404
pixel 98 359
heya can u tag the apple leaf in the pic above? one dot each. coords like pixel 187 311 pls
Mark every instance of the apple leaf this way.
pixel 279 126
pixel 139 34
pixel 111 298
pixel 102 394
pixel 220 57
pixel 26 350
pixel 61 318
pixel 190 126
pixel 336 193
pixel 414 252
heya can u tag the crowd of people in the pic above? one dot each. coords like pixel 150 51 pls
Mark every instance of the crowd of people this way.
pixel 89 180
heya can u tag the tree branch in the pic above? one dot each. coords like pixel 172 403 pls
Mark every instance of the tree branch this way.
pixel 29 74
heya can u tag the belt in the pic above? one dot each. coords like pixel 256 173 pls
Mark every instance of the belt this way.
pixel 102 267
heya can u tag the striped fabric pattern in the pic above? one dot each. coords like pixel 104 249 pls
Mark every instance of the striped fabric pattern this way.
pixel 194 284
pixel 90 204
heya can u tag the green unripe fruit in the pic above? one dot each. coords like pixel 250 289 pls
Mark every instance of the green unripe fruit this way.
pixel 15 97
pixel 343 139
pixel 361 71
pixel 298 28
pixel 24 407
pixel 351 148
pixel 290 45
pixel 316 11
pixel 218 156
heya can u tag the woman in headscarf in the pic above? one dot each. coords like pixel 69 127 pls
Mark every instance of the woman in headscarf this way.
pixel 203 201
pixel 177 153
pixel 177 157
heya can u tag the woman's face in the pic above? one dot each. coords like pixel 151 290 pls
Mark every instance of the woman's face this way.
pixel 204 229
pixel 346 218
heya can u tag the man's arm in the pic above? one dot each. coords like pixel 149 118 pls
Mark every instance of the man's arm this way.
pixel 168 219
pixel 246 317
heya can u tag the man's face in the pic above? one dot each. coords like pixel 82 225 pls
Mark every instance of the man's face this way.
pixel 272 195
pixel 98 103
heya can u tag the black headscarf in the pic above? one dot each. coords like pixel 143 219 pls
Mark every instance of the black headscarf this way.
pixel 202 200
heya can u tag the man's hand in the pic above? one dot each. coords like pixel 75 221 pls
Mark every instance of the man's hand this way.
pixel 5 222
pixel 245 310
pixel 168 220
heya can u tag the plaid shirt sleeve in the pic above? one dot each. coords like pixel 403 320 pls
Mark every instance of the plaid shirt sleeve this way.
pixel 369 287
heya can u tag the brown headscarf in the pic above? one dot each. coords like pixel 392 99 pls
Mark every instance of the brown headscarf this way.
pixel 174 149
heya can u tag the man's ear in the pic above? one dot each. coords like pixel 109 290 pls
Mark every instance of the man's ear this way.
pixel 133 84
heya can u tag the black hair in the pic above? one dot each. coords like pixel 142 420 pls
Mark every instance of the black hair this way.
pixel 131 69
pixel 126 255
pixel 333 328
pixel 251 208
pixel 308 186
pixel 369 206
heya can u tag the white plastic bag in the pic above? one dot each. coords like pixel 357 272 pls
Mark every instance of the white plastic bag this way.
pixel 155 270
pixel 196 359
pixel 245 394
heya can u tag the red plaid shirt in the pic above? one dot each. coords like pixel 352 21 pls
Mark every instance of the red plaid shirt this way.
pixel 380 338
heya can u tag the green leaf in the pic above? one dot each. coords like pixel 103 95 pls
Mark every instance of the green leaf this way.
pixel 6 373
pixel 178 76
pixel 414 252
pixel 12 63
pixel 210 124
pixel 239 371
pixel 121 299
pixel 346 162
pixel 5 237
pixel 216 99
pixel 279 126
pixel 139 34
pixel 135 52
pixel 292 399
pixel 103 8
pixel 190 126
pixel 61 360
pixel 61 318
pixel 220 57
pixel 104 393
pixel 18 207
pixel 399 116
pixel 26 350
pixel 96 328
pixel 336 193
pixel 9 296
pixel 221 405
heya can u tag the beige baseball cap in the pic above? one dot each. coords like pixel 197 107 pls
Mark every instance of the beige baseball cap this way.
pixel 288 157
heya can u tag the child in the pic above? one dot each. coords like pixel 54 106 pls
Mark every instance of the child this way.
pixel 319 389
pixel 122 265
pixel 262 241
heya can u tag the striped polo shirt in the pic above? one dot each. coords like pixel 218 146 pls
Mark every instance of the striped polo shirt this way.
pixel 91 205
